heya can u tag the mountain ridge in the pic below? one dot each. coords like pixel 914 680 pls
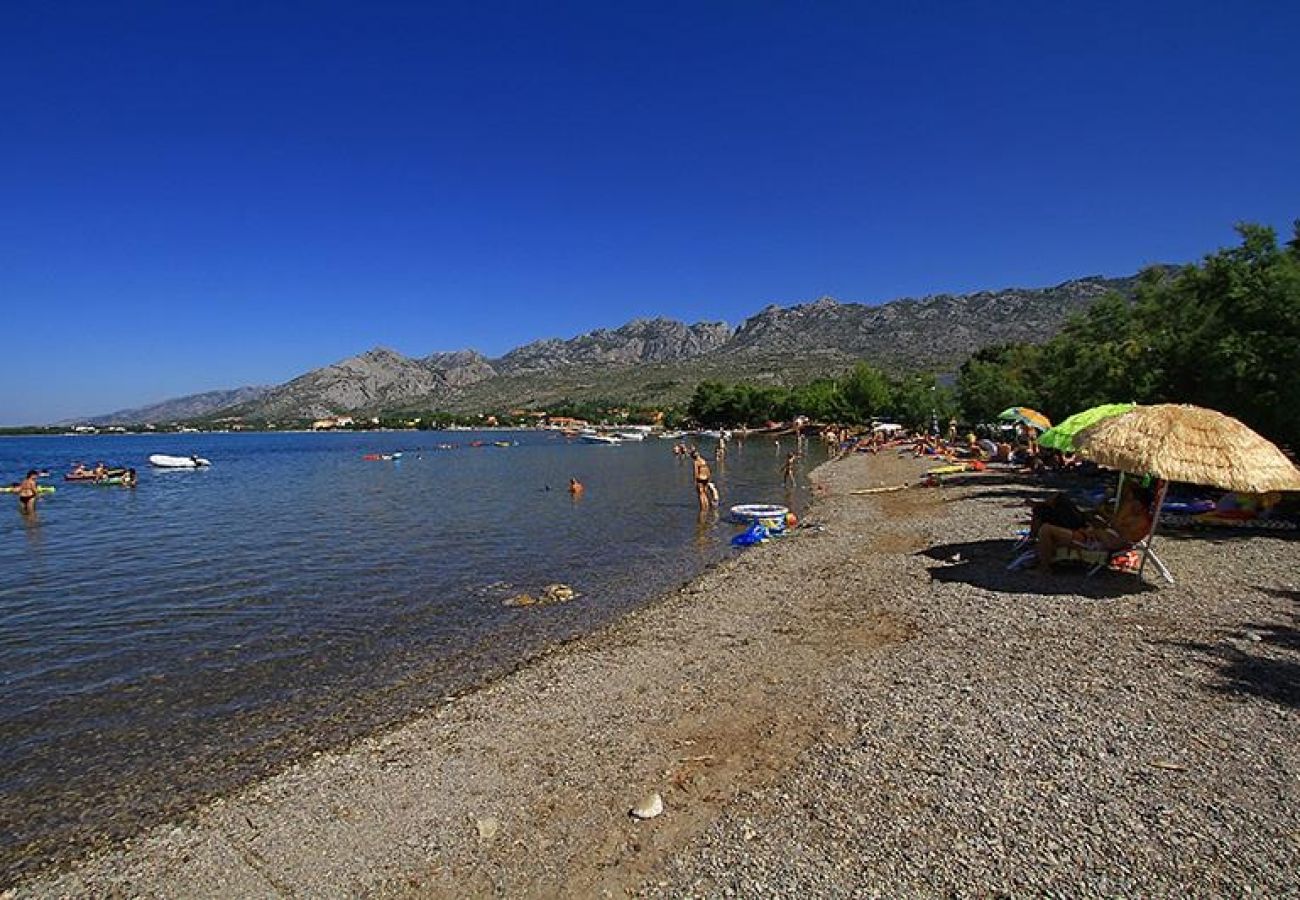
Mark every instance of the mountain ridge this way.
pixel 654 361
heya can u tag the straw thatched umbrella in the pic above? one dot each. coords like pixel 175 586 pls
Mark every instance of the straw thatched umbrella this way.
pixel 1192 444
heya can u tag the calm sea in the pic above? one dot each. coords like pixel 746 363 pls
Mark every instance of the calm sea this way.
pixel 163 643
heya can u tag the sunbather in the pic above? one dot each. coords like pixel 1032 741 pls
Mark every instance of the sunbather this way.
pixel 1128 524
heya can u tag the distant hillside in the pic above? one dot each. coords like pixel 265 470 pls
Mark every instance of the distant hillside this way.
pixel 660 361
pixel 180 409
pixel 796 344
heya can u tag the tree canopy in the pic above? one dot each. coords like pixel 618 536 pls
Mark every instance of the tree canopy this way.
pixel 1224 334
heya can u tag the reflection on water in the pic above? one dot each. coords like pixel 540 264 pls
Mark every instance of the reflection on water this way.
pixel 162 643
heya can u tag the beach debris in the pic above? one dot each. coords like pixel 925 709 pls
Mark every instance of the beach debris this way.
pixel 955 558
pixel 1167 765
pixel 487 827
pixel 558 593
pixel 552 593
pixel 649 807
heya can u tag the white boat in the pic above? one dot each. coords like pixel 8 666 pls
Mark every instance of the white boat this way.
pixel 594 438
pixel 630 435
pixel 672 435
pixel 163 461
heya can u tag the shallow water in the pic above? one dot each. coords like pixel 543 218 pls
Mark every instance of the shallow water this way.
pixel 163 643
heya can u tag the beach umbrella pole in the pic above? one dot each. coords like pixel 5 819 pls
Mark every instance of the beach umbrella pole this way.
pixel 1147 552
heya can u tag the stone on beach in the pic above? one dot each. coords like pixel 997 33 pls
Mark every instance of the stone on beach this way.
pixel 649 807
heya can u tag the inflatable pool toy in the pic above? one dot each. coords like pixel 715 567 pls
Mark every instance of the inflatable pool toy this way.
pixel 759 512
pixel 755 534
pixel 13 489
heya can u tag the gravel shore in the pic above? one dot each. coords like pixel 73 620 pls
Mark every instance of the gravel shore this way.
pixel 870 707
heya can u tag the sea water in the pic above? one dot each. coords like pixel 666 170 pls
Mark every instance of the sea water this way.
pixel 165 643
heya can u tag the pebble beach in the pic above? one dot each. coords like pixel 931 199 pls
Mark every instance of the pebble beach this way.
pixel 871 706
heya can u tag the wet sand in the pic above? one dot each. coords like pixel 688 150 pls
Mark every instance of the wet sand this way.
pixel 871 706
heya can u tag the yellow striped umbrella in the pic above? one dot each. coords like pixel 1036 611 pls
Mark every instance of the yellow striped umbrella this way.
pixel 1031 417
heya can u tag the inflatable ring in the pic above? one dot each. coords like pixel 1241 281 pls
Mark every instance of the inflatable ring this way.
pixel 757 512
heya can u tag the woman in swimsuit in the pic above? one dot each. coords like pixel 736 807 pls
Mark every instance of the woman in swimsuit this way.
pixel 703 477
pixel 27 492
pixel 1127 525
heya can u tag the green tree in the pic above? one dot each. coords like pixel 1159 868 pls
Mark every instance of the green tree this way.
pixel 997 377
pixel 866 392
pixel 919 400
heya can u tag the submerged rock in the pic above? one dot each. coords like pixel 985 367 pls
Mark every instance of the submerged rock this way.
pixel 558 593
pixel 552 593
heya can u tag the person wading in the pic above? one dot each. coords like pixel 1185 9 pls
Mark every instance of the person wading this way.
pixel 27 491
pixel 704 490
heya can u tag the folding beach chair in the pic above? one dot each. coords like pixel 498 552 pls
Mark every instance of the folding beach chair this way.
pixel 1131 557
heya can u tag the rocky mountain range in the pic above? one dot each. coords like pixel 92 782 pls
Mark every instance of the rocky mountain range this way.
pixel 660 361
pixel 179 409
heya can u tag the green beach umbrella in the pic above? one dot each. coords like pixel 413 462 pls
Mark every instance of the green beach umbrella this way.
pixel 1031 417
pixel 1062 436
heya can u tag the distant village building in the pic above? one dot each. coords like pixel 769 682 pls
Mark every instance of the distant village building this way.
pixel 565 422
pixel 332 422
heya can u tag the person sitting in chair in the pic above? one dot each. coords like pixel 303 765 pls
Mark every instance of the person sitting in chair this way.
pixel 1129 523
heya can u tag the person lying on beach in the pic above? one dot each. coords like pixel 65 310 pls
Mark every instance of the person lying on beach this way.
pixel 1125 526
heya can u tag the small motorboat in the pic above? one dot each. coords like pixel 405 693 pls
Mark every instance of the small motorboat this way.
pixel 630 435
pixel 163 461
pixel 595 438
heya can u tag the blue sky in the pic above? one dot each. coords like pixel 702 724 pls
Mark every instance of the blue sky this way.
pixel 205 195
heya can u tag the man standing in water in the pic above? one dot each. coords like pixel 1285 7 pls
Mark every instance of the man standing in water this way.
pixel 704 490
pixel 27 491
pixel 787 470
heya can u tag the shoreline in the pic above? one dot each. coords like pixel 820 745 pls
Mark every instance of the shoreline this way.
pixel 845 709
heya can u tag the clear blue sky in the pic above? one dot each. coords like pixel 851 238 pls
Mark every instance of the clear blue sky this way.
pixel 205 195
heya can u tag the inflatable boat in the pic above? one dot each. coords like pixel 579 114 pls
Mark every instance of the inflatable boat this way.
pixel 163 461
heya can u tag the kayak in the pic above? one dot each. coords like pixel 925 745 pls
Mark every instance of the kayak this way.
pixel 163 461
pixel 13 489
